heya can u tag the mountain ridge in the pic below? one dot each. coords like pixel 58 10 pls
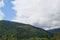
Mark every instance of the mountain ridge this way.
pixel 54 30
pixel 22 30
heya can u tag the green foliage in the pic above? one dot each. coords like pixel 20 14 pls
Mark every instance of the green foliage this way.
pixel 19 31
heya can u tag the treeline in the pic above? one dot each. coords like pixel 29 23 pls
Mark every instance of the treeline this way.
pixel 8 37
pixel 13 37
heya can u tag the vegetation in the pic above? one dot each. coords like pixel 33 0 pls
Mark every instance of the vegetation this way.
pixel 19 31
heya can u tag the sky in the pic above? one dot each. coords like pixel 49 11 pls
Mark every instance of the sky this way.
pixel 7 10
pixel 40 13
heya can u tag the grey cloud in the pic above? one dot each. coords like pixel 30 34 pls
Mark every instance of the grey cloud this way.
pixel 40 13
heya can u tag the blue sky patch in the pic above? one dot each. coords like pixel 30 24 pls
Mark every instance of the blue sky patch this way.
pixel 7 10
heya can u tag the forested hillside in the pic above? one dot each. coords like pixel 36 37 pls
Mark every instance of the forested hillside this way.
pixel 21 30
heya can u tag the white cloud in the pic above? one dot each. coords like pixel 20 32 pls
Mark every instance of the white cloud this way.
pixel 1 3
pixel 1 15
pixel 43 12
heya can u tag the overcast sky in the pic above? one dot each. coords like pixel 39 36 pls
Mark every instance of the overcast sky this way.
pixel 40 13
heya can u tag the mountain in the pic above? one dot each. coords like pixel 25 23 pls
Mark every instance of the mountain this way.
pixel 21 30
pixel 54 30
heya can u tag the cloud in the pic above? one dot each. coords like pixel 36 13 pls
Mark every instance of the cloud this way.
pixel 1 15
pixel 1 3
pixel 41 13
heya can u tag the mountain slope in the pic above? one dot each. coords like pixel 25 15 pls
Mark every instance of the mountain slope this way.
pixel 21 30
pixel 54 30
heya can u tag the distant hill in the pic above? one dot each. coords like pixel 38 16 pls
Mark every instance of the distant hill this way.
pixel 54 30
pixel 21 30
